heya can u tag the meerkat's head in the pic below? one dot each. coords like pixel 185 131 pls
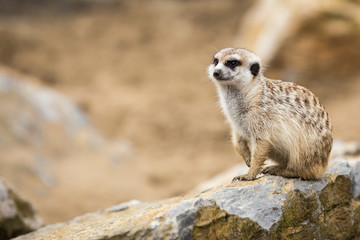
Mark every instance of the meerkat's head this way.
pixel 232 66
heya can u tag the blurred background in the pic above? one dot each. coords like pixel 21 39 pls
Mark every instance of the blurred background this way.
pixel 104 101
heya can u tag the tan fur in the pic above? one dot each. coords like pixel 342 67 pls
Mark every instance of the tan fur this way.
pixel 272 119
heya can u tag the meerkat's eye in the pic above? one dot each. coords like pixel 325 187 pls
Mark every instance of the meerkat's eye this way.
pixel 232 63
pixel 216 61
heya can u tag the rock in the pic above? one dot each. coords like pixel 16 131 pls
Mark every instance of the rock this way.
pixel 341 149
pixel 47 144
pixel 46 121
pixel 270 207
pixel 17 216
pixel 355 164
pixel 37 116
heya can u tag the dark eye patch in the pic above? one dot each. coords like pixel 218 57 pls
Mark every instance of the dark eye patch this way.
pixel 232 63
pixel 216 61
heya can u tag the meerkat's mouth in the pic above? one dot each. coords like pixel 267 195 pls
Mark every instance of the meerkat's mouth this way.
pixel 224 79
pixel 220 77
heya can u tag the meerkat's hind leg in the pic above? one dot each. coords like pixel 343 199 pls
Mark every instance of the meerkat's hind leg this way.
pixel 279 170
pixel 290 173
pixel 241 146
pixel 272 169
pixel 310 173
pixel 258 158
pixel 281 160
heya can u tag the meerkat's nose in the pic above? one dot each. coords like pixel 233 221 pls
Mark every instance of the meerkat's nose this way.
pixel 217 73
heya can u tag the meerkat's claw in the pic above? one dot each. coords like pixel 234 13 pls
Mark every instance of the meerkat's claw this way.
pixel 245 177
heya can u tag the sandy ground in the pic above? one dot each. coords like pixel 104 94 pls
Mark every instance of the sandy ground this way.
pixel 139 71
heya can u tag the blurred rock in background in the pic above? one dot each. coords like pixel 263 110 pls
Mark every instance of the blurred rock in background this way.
pixel 42 132
pixel 34 116
pixel 17 215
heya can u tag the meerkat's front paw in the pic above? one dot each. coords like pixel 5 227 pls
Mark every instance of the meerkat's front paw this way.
pixel 245 177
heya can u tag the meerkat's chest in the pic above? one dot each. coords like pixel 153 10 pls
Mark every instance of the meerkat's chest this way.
pixel 235 112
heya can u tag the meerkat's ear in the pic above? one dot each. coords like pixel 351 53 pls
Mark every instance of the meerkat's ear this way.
pixel 254 69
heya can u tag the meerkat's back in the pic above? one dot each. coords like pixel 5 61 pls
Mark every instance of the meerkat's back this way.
pixel 301 128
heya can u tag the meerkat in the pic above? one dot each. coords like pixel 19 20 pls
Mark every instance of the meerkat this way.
pixel 271 119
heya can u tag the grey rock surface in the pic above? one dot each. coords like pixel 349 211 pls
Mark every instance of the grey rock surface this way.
pixel 342 149
pixel 268 208
pixel 17 216
pixel 34 114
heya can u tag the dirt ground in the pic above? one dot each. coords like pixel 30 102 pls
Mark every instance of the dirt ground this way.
pixel 138 69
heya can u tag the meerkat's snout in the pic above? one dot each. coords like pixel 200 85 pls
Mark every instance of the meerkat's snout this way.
pixel 218 74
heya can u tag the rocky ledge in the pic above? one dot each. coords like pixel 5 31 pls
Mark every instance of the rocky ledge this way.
pixel 268 208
